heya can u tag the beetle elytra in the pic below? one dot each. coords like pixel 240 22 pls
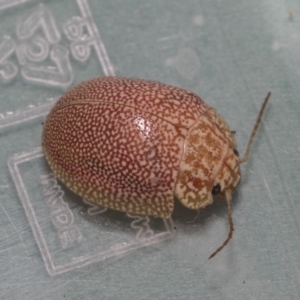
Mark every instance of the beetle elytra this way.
pixel 132 145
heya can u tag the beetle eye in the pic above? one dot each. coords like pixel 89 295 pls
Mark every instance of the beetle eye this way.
pixel 236 152
pixel 216 189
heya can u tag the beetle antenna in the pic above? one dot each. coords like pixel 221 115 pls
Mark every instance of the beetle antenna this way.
pixel 228 198
pixel 258 121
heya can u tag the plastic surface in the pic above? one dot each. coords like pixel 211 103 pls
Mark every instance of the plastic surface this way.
pixel 55 246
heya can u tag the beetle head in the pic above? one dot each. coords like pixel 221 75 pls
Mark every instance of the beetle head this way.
pixel 229 174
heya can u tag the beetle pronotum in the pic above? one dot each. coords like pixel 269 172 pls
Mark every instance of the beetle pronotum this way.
pixel 132 145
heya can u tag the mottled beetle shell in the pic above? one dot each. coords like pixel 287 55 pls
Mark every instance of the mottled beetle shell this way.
pixel 132 145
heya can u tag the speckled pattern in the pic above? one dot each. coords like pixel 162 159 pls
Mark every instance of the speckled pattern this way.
pixel 126 144
pixel 208 154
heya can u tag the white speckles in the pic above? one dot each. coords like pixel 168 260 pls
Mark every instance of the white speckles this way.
pixel 206 149
pixel 143 125
pixel 118 142
pixel 143 163
pixel 183 131
pixel 152 153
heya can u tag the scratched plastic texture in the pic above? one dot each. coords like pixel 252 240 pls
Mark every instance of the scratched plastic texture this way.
pixel 54 245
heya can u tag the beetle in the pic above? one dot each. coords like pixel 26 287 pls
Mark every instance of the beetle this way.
pixel 132 145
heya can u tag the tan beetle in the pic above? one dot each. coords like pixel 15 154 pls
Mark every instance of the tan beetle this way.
pixel 132 145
